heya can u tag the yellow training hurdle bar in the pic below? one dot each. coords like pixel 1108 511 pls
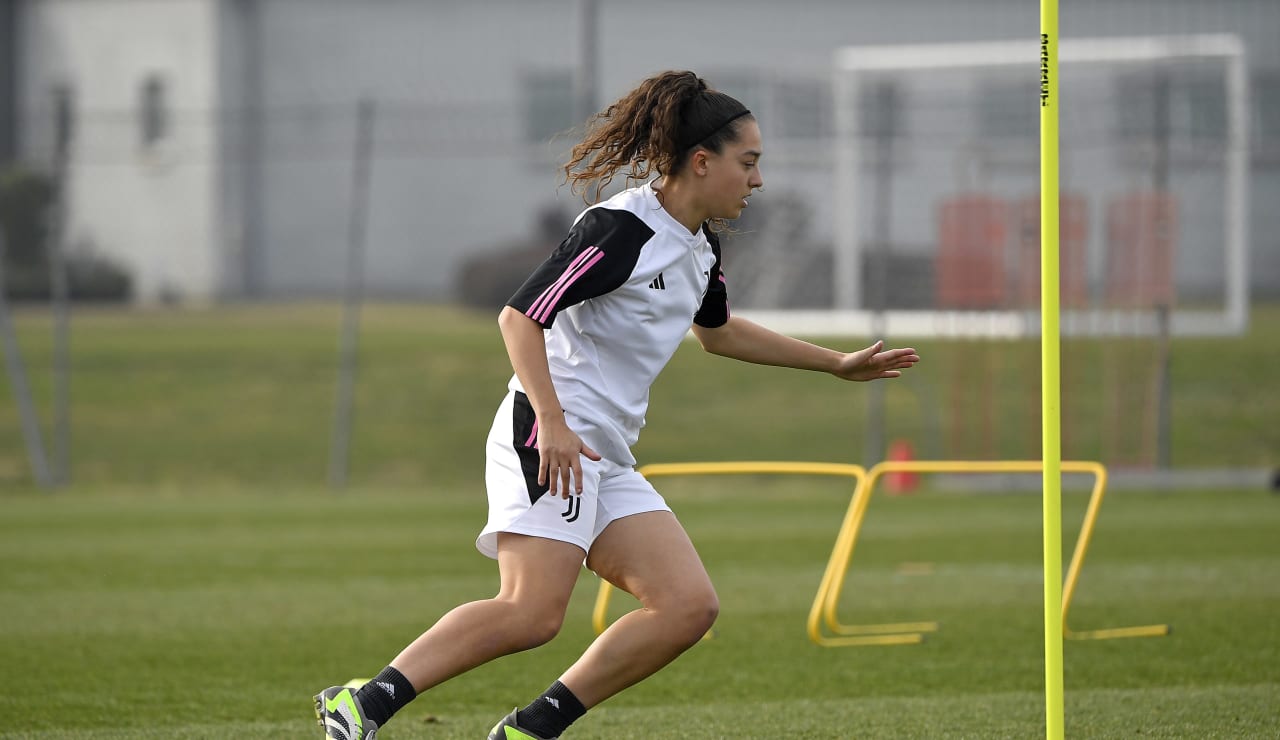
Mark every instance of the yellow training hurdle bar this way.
pixel 825 603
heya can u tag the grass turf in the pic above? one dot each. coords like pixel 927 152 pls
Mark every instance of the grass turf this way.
pixel 208 615
pixel 195 581
pixel 243 396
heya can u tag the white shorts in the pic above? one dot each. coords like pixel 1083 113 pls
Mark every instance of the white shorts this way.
pixel 517 504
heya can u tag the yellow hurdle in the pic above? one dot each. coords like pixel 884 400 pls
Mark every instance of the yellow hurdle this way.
pixel 823 612
pixel 825 604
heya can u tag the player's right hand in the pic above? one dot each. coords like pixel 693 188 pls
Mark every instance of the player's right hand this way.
pixel 560 452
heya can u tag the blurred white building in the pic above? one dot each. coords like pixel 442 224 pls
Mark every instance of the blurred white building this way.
pixel 210 141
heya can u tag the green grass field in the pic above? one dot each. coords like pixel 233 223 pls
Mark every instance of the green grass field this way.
pixel 243 396
pixel 198 580
pixel 211 615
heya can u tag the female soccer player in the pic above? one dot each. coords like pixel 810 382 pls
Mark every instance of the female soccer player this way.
pixel 587 335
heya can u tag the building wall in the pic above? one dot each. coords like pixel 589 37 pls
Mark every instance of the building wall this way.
pixel 451 172
pixel 151 206
pixel 253 195
pixel 239 187
pixel 472 182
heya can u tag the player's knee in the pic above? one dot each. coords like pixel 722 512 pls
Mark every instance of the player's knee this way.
pixel 704 612
pixel 694 615
pixel 529 624
pixel 537 623
pixel 543 628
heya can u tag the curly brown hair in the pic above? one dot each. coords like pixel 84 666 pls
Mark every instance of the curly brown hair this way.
pixel 651 129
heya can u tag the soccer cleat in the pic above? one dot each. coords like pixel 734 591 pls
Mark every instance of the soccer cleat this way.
pixel 338 712
pixel 507 729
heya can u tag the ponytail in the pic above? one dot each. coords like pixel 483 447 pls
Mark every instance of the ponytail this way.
pixel 652 129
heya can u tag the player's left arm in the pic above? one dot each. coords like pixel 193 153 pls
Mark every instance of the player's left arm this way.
pixel 740 339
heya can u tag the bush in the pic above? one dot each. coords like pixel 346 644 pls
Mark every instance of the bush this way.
pixel 26 199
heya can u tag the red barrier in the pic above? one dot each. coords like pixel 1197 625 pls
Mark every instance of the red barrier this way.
pixel 1141 242
pixel 970 266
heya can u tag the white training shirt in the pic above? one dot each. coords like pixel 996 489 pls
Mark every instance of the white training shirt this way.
pixel 615 299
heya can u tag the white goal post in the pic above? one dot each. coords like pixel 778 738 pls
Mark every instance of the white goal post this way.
pixel 854 68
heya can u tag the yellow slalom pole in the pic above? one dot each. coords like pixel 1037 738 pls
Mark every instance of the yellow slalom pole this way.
pixel 1049 365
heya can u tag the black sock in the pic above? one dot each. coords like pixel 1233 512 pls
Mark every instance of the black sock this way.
pixel 551 714
pixel 385 695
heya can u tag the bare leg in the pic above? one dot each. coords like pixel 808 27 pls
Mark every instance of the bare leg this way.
pixel 650 557
pixel 537 578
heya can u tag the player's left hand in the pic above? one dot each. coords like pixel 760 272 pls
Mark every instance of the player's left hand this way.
pixel 875 362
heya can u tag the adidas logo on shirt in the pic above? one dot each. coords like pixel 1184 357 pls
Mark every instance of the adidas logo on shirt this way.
pixel 658 283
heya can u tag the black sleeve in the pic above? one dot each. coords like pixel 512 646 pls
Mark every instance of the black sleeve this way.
pixel 715 304
pixel 596 257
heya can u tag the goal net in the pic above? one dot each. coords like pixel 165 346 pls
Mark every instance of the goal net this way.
pixel 935 212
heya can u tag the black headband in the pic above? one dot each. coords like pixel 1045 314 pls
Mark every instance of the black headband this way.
pixel 698 137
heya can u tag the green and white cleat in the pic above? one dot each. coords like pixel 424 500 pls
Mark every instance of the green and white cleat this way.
pixel 338 712
pixel 507 729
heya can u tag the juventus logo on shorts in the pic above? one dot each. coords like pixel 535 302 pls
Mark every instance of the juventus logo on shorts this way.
pixel 575 507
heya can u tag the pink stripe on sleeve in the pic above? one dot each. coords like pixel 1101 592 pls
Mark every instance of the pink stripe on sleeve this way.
pixel 538 305
pixel 545 311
